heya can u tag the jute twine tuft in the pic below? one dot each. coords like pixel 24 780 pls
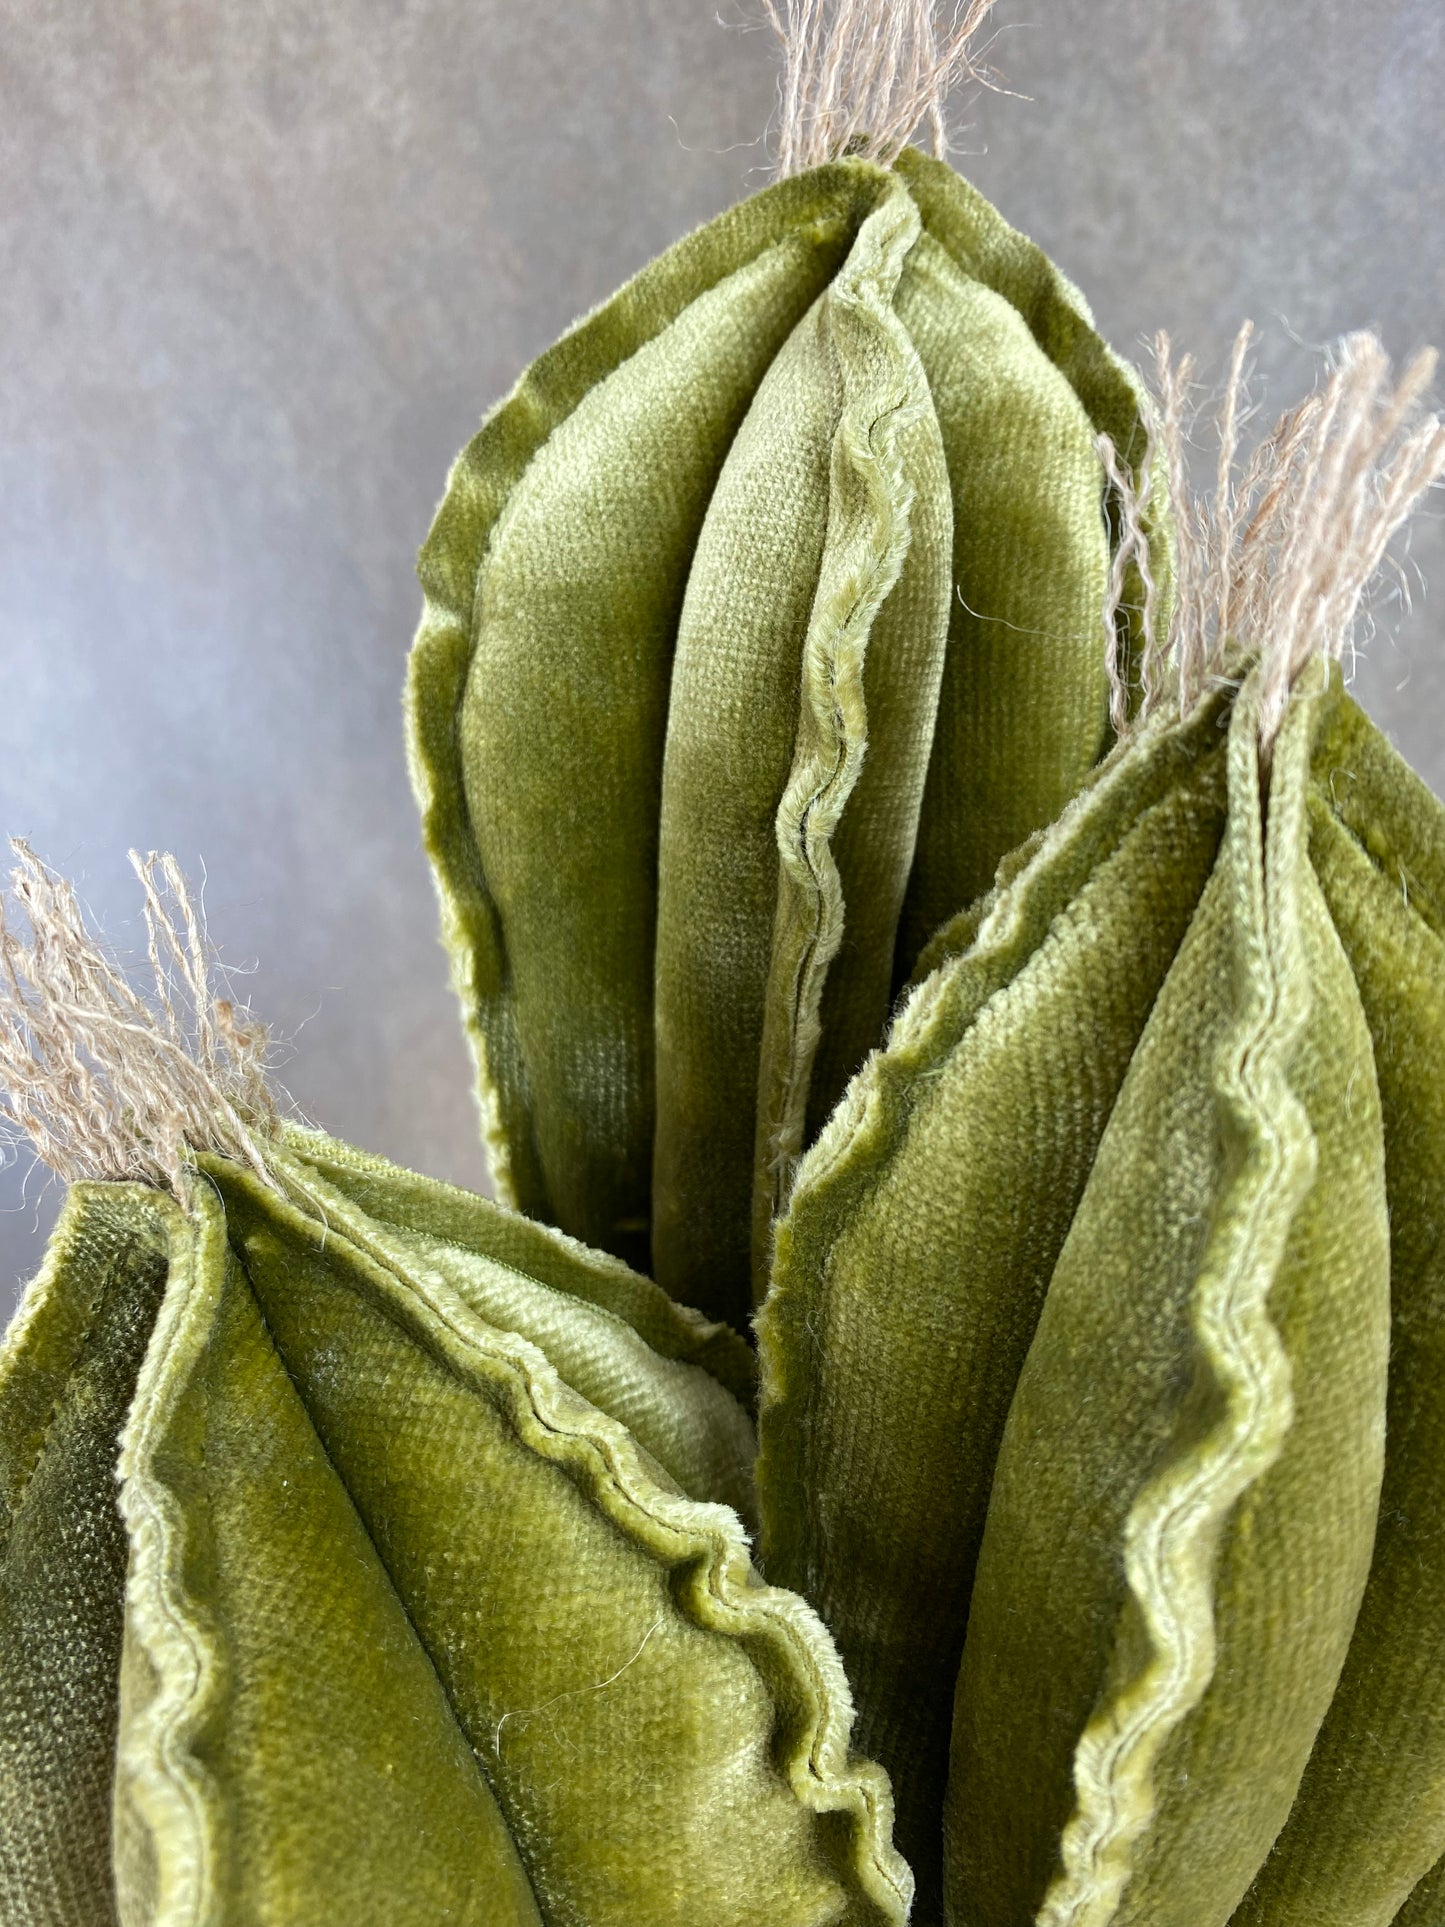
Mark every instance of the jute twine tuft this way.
pixel 1273 567
pixel 106 1083
pixel 864 76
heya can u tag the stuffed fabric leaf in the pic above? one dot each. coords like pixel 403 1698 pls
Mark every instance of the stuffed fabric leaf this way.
pixel 762 619
pixel 424 1593
pixel 1111 1292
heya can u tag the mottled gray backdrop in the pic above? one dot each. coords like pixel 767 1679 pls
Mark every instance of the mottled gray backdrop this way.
pixel 263 268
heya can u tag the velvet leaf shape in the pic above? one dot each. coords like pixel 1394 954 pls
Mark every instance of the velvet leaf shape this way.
pixel 763 618
pixel 1102 1308
pixel 423 1594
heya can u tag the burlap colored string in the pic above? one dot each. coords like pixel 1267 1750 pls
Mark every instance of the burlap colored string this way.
pixel 106 1083
pixel 1273 567
pixel 863 76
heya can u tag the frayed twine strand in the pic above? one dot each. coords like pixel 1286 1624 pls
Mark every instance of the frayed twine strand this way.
pixel 105 1083
pixel 1273 566
pixel 863 76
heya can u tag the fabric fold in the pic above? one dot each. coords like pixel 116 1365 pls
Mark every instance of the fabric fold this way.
pixel 735 611
pixel 427 1595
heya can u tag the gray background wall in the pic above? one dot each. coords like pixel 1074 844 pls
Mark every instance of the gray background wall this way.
pixel 264 267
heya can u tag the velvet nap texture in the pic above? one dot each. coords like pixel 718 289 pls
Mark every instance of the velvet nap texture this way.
pixel 373 1553
pixel 1102 1308
pixel 762 619
pixel 423 1595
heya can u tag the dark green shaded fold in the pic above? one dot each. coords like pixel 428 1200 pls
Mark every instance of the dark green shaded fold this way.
pixel 67 1373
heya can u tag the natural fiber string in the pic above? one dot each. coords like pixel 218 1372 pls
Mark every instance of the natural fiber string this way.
pixel 106 1083
pixel 1271 568
pixel 1130 496
pixel 863 76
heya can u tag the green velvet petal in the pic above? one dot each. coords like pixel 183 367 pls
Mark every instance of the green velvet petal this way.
pixel 1207 1510
pixel 812 601
pixel 539 685
pixel 67 1373
pixel 872 846
pixel 438 1603
pixel 1022 385
pixel 1369 1821
pixel 1059 318
pixel 408 1202
pixel 287 1749
pixel 561 726
pixel 675 1410
pixel 1077 1348
pixel 924 1229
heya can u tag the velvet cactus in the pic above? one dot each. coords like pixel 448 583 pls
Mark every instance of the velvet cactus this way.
pixel 763 619
pixel 958 996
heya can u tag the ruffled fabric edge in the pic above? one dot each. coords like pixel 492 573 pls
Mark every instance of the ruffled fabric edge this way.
pixel 1174 1522
pixel 970 961
pixel 885 392
pixel 165 1786
pixel 480 481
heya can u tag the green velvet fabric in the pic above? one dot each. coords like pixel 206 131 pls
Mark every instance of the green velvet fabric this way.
pixel 67 1374
pixel 1369 1821
pixel 1426 1905
pixel 762 619
pixel 1101 1308
pixel 374 1553
pixel 423 1595
pixel 918 1256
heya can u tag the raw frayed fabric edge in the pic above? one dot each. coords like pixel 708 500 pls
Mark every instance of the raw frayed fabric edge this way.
pixel 862 77
pixel 1172 1529
pixel 879 406
pixel 105 1082
pixel 1272 567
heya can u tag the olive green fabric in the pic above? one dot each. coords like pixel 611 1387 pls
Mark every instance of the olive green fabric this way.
pixel 807 532
pixel 286 1750
pixel 1208 1510
pixel 762 620
pixel 1369 1821
pixel 67 1373
pixel 564 704
pixel 1022 383
pixel 1426 1905
pixel 924 1233
pixel 374 1553
pixel 1088 1309
pixel 438 1606
pixel 538 695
